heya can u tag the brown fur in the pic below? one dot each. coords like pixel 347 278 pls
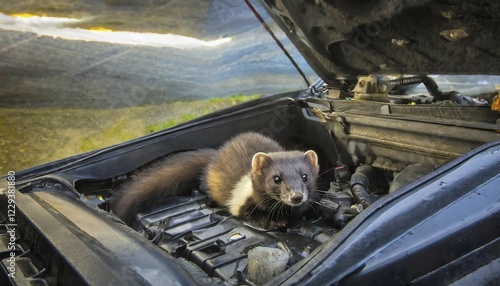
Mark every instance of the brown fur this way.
pixel 169 177
pixel 233 162
pixel 220 171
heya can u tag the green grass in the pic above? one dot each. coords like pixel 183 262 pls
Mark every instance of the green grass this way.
pixel 173 122
pixel 233 99
pixel 211 105
pixel 33 136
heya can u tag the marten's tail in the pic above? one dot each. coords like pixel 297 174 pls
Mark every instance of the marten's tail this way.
pixel 173 176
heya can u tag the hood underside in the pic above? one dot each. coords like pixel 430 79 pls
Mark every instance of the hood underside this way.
pixel 343 39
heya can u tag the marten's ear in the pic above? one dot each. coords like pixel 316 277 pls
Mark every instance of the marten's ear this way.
pixel 259 161
pixel 312 157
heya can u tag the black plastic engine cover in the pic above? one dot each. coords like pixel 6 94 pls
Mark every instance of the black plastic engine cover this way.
pixel 191 228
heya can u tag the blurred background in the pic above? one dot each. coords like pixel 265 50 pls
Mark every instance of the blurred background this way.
pixel 81 75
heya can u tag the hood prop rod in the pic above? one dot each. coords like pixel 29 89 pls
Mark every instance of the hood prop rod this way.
pixel 261 20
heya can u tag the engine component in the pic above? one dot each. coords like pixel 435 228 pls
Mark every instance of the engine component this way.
pixel 495 105
pixel 341 173
pixel 360 181
pixel 371 88
pixel 337 205
pixel 376 88
pixel 191 228
pixel 434 90
pixel 265 263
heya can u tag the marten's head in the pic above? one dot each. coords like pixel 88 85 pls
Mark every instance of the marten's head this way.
pixel 289 177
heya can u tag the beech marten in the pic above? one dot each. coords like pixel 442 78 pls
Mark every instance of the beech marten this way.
pixel 251 175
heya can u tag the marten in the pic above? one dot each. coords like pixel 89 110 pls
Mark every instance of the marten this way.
pixel 251 175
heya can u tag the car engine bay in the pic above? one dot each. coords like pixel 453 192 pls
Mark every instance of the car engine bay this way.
pixel 375 149
pixel 370 152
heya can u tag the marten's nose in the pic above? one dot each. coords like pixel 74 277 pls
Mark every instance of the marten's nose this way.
pixel 297 198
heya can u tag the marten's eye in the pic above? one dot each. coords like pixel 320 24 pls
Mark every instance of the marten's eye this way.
pixel 277 180
pixel 304 178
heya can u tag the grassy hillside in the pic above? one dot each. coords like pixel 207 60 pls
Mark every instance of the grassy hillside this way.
pixel 34 136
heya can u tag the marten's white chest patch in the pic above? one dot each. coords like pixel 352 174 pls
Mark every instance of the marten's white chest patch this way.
pixel 240 194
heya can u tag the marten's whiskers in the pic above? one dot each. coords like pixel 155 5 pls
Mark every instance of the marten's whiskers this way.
pixel 328 170
pixel 325 206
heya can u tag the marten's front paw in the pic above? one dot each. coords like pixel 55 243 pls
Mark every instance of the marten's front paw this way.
pixel 277 224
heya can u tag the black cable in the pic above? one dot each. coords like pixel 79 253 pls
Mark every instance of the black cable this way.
pixel 434 90
pixel 261 20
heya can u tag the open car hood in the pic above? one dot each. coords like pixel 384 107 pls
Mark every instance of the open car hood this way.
pixel 343 39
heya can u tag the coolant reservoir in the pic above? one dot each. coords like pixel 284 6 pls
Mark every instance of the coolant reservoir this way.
pixel 265 263
pixel 495 106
